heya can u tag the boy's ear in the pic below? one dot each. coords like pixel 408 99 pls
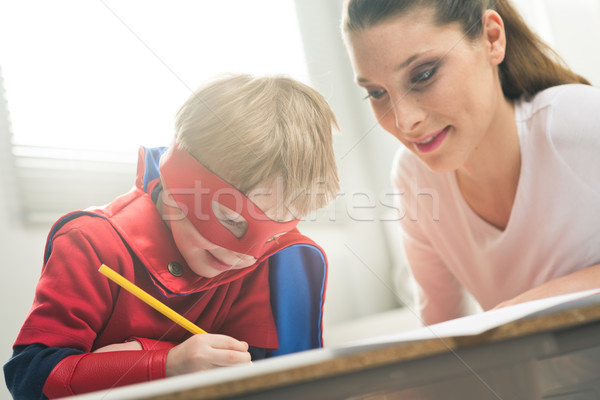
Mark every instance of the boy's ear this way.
pixel 494 36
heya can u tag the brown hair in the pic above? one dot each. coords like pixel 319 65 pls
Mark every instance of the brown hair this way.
pixel 529 65
pixel 254 131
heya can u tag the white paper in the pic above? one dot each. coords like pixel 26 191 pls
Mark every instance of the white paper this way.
pixel 479 323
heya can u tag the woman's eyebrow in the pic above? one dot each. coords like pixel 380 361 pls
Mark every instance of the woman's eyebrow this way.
pixel 407 62
pixel 399 67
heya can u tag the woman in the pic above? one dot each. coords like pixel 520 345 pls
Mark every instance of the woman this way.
pixel 501 136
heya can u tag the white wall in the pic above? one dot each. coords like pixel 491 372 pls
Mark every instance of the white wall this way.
pixel 572 28
pixel 356 243
pixel 21 251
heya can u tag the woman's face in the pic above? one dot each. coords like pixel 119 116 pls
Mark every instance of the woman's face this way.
pixel 430 86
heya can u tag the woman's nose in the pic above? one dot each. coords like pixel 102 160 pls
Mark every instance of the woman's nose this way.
pixel 408 113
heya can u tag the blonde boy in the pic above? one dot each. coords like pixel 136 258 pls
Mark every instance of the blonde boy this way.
pixel 205 230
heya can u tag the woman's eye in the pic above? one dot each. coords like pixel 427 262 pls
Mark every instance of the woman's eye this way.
pixel 375 94
pixel 423 76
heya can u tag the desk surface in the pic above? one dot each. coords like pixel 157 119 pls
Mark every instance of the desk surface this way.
pixel 524 355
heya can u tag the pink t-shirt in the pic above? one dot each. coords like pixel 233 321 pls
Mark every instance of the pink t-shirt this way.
pixel 554 226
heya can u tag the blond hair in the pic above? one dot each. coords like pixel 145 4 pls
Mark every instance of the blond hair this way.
pixel 529 65
pixel 253 131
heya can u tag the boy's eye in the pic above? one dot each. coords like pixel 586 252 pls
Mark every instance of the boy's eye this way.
pixel 375 94
pixel 231 220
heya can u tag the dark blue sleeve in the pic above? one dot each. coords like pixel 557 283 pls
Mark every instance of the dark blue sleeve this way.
pixel 28 368
pixel 257 353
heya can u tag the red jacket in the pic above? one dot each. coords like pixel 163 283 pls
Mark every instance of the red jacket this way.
pixel 76 306
pixel 77 310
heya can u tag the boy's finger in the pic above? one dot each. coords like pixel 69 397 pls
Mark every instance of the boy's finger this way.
pixel 224 358
pixel 227 342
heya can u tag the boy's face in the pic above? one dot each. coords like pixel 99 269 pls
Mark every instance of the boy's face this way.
pixel 204 257
pixel 218 211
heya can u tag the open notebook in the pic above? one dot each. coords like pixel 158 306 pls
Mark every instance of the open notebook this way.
pixel 480 323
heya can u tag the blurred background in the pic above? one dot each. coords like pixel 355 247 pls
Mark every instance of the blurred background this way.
pixel 84 83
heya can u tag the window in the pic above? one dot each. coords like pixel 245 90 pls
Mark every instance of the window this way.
pixel 87 82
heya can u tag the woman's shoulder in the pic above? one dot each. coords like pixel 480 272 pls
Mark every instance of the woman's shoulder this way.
pixel 571 127
pixel 569 110
pixel 566 98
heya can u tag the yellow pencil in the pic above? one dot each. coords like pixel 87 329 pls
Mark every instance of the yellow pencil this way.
pixel 148 299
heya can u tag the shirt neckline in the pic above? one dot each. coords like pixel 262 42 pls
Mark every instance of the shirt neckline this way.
pixel 475 219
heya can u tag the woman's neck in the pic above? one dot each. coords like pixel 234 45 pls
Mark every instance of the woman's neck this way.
pixel 489 179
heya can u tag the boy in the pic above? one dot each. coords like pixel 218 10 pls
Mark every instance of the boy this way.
pixel 203 234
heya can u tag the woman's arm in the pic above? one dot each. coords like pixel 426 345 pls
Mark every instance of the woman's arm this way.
pixel 585 279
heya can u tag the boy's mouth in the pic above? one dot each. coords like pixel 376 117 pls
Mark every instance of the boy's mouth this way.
pixel 216 263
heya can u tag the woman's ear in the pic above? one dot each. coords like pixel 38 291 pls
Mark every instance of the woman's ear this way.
pixel 494 36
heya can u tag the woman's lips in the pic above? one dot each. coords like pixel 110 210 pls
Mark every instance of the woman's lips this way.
pixel 432 142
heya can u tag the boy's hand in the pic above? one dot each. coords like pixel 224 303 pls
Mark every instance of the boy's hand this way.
pixel 206 351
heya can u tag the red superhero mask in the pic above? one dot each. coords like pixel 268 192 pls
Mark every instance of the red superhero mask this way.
pixel 196 190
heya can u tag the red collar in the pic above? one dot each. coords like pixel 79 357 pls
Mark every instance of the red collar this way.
pixel 136 218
